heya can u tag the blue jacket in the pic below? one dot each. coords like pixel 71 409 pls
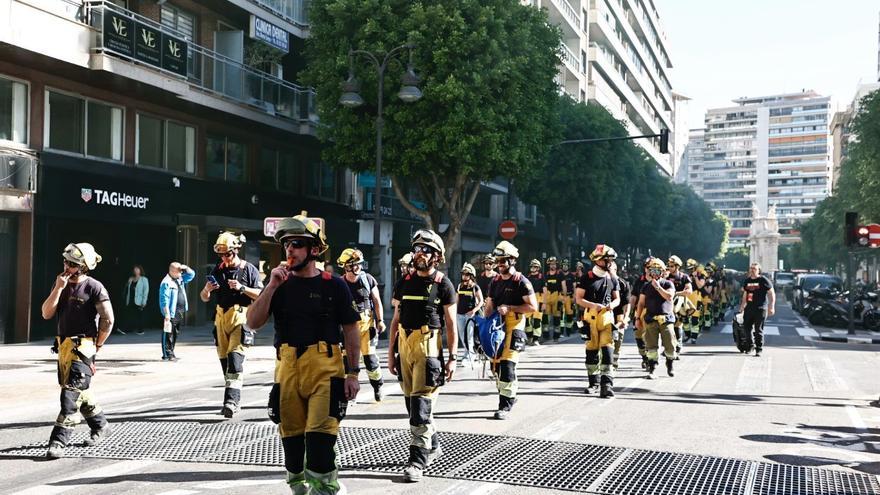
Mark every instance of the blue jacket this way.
pixel 168 292
pixel 141 291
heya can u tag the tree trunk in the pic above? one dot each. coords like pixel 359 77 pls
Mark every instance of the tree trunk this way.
pixel 551 225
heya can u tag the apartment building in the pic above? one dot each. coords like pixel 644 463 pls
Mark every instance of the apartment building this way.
pixel 765 151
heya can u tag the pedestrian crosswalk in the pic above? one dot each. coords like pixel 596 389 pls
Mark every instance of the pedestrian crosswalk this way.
pixel 768 330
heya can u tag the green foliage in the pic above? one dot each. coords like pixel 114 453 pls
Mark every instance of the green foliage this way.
pixel 737 259
pixel 619 196
pixel 489 105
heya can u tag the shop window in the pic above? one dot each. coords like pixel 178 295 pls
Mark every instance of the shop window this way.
pixel 83 126
pixel 323 181
pixel 226 159
pixel 278 170
pixel 166 144
pixel 13 111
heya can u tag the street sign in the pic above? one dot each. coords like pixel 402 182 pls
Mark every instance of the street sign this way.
pixel 873 235
pixel 507 229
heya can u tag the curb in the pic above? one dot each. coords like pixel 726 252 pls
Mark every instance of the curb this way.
pixel 849 339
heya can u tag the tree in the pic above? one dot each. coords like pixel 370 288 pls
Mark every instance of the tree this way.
pixel 489 105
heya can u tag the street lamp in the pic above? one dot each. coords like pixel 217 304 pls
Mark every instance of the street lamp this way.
pixel 351 98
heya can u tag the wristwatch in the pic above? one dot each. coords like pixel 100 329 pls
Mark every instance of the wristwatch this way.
pixel 241 289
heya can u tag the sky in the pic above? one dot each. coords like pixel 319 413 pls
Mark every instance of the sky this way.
pixel 725 49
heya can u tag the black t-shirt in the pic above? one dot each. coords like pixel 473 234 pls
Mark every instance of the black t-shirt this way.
pixel 310 310
pixel 467 298
pixel 76 312
pixel 131 291
pixel 510 292
pixel 569 279
pixel 680 280
pixel 599 289
pixel 637 285
pixel 756 292
pixel 247 275
pixel 553 281
pixel 655 304
pixel 537 282
pixel 181 300
pixel 624 289
pixel 413 292
pixel 484 282
pixel 359 291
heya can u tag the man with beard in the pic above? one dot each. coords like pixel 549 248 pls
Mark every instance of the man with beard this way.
pixel 599 293
pixel 488 274
pixel 553 297
pixel 656 301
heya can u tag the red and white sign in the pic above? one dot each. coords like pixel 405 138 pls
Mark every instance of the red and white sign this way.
pixel 270 225
pixel 507 230
pixel 873 235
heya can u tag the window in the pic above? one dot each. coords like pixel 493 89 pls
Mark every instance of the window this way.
pixel 185 23
pixel 13 111
pixel 322 181
pixel 278 170
pixel 226 159
pixel 165 144
pixel 83 126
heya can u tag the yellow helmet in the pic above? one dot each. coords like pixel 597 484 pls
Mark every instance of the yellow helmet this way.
pixel 469 268
pixel 228 241
pixel 655 267
pixel 303 227
pixel 674 260
pixel 566 263
pixel 505 249
pixel 82 254
pixel 405 260
pixel 350 255
pixel 603 251
pixel 431 239
pixel 692 264
pixel 552 259
pixel 535 263
pixel 488 258
pixel 701 271
pixel 580 265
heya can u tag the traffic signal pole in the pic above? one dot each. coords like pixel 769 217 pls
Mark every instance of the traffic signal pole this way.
pixel 850 275
pixel 664 140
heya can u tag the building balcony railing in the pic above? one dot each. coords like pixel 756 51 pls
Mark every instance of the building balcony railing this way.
pixel 569 12
pixel 294 11
pixel 170 52
pixel 571 60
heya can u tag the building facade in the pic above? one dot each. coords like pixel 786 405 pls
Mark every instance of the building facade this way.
pixel 766 151
pixel 841 128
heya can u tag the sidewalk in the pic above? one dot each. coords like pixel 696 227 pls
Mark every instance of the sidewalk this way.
pixel 860 337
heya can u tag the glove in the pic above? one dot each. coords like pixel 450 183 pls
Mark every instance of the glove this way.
pixel 273 409
pixel 54 348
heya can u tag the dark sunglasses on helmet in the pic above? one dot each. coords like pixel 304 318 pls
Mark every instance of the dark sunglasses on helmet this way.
pixel 227 254
pixel 71 264
pixel 295 243
pixel 421 248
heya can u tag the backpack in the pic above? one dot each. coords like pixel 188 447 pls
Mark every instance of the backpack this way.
pixel 490 333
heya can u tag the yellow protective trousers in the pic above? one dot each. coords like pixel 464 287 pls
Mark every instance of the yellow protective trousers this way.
pixel 655 331
pixel 423 375
pixel 551 305
pixel 600 345
pixel 312 402
pixel 533 320
pixel 230 336
pixel 504 363
pixel 75 370
pixel 369 341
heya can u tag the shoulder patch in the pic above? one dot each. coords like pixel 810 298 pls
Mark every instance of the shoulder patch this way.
pixel 326 275
pixel 438 277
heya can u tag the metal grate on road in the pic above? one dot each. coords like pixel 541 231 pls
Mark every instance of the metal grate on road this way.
pixel 508 460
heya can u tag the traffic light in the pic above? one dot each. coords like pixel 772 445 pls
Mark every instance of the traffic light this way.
pixel 849 229
pixel 863 236
pixel 664 141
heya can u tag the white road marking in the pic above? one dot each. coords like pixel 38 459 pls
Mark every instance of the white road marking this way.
pixel 556 430
pixel 855 418
pixel 823 375
pixel 89 477
pixel 180 492
pixel 771 330
pixel 470 488
pixel 727 329
pixel 806 332
pixel 754 377
pixel 226 484
pixel 702 367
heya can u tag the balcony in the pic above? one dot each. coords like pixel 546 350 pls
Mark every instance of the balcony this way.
pixel 571 61
pixel 293 11
pixel 567 17
pixel 195 66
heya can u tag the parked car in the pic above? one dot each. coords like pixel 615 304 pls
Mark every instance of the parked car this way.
pixel 805 282
pixel 781 280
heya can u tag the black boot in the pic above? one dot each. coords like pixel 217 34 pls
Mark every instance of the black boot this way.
pixel 505 404
pixel 607 387
pixel 377 389
pixel 644 362
pixel 652 365
pixel 669 370
pixel 593 384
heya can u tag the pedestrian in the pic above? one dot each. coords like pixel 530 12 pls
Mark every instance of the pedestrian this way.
pixel 621 312
pixel 599 294
pixel 173 304
pixel 237 283
pixel 553 298
pixel 758 302
pixel 426 296
pixel 513 297
pixel 568 288
pixel 659 320
pixel 365 291
pixel 85 319
pixel 312 387
pixel 487 274
pixel 534 320
pixel 683 289
pixel 470 302
pixel 137 290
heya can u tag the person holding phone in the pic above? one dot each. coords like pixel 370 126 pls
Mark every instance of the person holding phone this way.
pixel 237 284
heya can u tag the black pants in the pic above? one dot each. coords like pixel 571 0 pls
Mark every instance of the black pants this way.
pixel 169 339
pixel 135 318
pixel 753 321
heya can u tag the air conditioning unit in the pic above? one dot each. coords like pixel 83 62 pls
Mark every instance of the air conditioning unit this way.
pixel 18 171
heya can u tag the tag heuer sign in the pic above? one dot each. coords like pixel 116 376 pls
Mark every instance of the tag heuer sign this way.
pixel 85 194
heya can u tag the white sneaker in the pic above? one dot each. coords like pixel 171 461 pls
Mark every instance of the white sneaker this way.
pixel 412 473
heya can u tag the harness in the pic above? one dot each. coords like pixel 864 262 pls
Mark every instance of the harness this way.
pixel 431 299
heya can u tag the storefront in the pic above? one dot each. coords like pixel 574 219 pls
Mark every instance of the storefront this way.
pixel 137 216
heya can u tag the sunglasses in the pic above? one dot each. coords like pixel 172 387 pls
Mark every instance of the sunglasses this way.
pixel 295 243
pixel 227 254
pixel 71 264
pixel 421 248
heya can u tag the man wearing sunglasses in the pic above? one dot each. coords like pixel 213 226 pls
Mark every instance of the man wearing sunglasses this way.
pixel 312 383
pixel 365 291
pixel 425 297
pixel 237 283
pixel 85 318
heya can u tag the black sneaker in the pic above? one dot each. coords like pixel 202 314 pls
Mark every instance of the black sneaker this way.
pixel 757 352
pixel 229 409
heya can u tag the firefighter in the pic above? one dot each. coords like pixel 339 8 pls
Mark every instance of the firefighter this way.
pixel 425 297
pixel 568 285
pixel 237 284
pixel 698 298
pixel 405 264
pixel 621 313
pixel 637 316
pixel 599 293
pixel 656 301
pixel 85 319
pixel 553 298
pixel 487 274
pixel 470 302
pixel 512 296
pixel 533 320
pixel 683 289
pixel 365 291
pixel 312 389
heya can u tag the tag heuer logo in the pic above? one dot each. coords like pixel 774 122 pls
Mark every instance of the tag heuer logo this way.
pixel 85 194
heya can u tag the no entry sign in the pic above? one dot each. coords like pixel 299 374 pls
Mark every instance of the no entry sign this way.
pixel 507 230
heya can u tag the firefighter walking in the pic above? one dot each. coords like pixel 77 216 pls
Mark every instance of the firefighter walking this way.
pixel 599 293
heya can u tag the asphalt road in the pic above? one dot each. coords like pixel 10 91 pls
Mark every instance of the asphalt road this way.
pixel 803 402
